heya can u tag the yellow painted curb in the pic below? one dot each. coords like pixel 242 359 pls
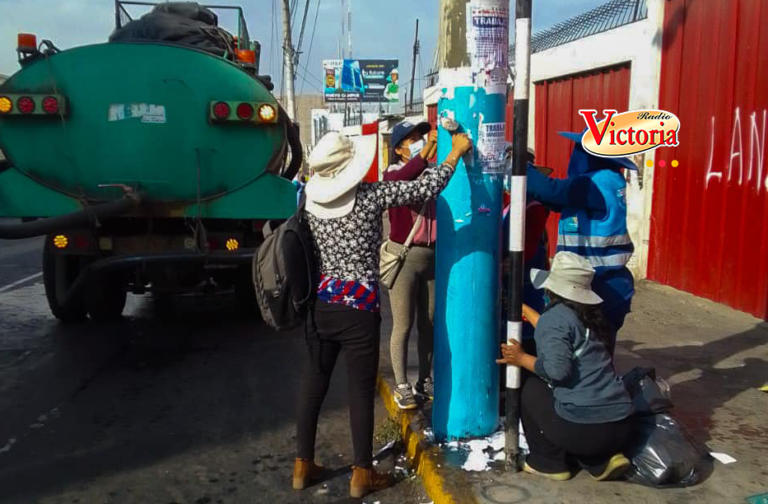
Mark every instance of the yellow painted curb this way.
pixel 422 456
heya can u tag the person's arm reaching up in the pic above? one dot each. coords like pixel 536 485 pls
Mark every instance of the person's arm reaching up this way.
pixel 403 193
pixel 578 192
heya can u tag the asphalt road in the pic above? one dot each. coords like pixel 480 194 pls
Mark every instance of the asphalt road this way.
pixel 188 404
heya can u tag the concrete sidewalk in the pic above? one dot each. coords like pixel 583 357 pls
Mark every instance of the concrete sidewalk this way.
pixel 714 358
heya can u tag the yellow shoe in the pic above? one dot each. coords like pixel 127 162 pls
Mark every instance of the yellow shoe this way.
pixel 306 472
pixel 614 469
pixel 561 476
pixel 365 481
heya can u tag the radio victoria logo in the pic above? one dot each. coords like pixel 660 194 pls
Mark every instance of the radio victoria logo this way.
pixel 628 133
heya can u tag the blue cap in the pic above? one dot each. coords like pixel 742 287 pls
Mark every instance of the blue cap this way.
pixel 405 128
pixel 622 162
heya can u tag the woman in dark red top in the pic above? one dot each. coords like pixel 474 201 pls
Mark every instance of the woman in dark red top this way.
pixel 413 294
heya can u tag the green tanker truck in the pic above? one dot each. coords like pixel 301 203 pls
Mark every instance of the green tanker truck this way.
pixel 150 163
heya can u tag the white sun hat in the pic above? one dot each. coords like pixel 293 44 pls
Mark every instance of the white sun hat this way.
pixel 338 164
pixel 570 277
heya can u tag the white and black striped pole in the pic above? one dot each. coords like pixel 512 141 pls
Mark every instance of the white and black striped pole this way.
pixel 517 186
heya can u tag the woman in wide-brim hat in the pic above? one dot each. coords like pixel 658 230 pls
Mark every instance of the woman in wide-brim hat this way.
pixel 574 403
pixel 345 219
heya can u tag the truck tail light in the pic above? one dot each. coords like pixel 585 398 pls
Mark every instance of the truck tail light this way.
pixel 267 113
pixel 221 111
pixel 33 105
pixel 245 112
pixel 26 105
pixel 51 105
pixel 60 241
pixel 6 105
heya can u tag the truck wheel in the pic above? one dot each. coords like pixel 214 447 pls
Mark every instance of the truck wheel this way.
pixel 59 273
pixel 105 299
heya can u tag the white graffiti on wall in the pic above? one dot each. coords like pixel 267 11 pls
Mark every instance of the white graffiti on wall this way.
pixel 755 157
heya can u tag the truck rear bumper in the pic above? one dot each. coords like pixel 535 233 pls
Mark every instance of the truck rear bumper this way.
pixel 116 264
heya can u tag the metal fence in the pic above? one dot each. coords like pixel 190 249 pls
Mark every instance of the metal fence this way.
pixel 611 15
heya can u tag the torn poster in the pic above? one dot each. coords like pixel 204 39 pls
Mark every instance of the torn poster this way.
pixel 488 40
pixel 491 146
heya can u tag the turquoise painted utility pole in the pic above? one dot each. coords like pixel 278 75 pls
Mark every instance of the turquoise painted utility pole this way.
pixel 469 214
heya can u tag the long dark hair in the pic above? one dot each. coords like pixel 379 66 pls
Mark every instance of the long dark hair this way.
pixel 589 315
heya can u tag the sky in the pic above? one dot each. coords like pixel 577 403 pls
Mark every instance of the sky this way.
pixel 381 29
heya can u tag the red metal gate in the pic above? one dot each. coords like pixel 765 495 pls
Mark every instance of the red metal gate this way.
pixel 709 229
pixel 557 109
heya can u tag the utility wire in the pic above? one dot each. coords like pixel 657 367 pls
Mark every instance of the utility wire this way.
pixel 311 43
pixel 303 26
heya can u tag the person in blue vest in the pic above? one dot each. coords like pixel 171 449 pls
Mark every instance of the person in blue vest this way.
pixel 592 201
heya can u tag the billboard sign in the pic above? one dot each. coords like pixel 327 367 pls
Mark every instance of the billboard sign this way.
pixel 375 81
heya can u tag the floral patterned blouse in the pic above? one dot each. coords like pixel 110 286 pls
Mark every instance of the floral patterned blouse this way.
pixel 347 248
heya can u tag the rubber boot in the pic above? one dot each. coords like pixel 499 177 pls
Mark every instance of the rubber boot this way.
pixel 305 472
pixel 365 481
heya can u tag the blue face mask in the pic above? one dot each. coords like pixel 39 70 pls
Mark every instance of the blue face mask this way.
pixel 416 148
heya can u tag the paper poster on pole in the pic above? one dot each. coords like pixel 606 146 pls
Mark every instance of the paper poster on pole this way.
pixel 491 146
pixel 488 39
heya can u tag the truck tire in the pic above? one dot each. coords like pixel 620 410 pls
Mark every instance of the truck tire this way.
pixel 59 273
pixel 105 299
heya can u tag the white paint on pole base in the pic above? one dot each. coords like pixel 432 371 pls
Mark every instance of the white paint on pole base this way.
pixel 514 332
pixel 523 61
pixel 518 187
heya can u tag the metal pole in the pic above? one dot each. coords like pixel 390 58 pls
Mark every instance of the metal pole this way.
pixel 290 105
pixel 118 23
pixel 518 185
pixel 413 67
pixel 349 27
pixel 469 220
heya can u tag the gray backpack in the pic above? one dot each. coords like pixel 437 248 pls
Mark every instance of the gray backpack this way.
pixel 284 272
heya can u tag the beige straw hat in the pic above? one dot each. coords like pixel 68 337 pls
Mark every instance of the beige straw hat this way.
pixel 338 164
pixel 570 277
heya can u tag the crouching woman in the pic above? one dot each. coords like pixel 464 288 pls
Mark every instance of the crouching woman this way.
pixel 575 405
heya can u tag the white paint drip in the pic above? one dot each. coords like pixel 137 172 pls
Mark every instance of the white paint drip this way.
pixel 19 282
pixel 482 452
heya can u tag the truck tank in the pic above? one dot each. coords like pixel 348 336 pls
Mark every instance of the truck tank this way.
pixel 142 115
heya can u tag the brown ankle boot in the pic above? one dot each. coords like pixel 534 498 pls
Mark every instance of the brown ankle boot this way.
pixel 305 472
pixel 365 481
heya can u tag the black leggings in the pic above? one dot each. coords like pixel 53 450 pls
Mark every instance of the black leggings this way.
pixel 552 438
pixel 330 329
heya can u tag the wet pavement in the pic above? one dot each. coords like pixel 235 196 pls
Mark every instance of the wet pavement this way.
pixel 190 404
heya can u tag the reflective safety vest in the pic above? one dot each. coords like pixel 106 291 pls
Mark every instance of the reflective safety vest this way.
pixel 604 242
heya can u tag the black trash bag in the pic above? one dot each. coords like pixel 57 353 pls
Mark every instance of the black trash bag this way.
pixel 181 23
pixel 664 454
pixel 190 10
pixel 649 394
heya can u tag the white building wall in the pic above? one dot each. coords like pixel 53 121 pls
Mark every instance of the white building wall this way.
pixel 639 44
